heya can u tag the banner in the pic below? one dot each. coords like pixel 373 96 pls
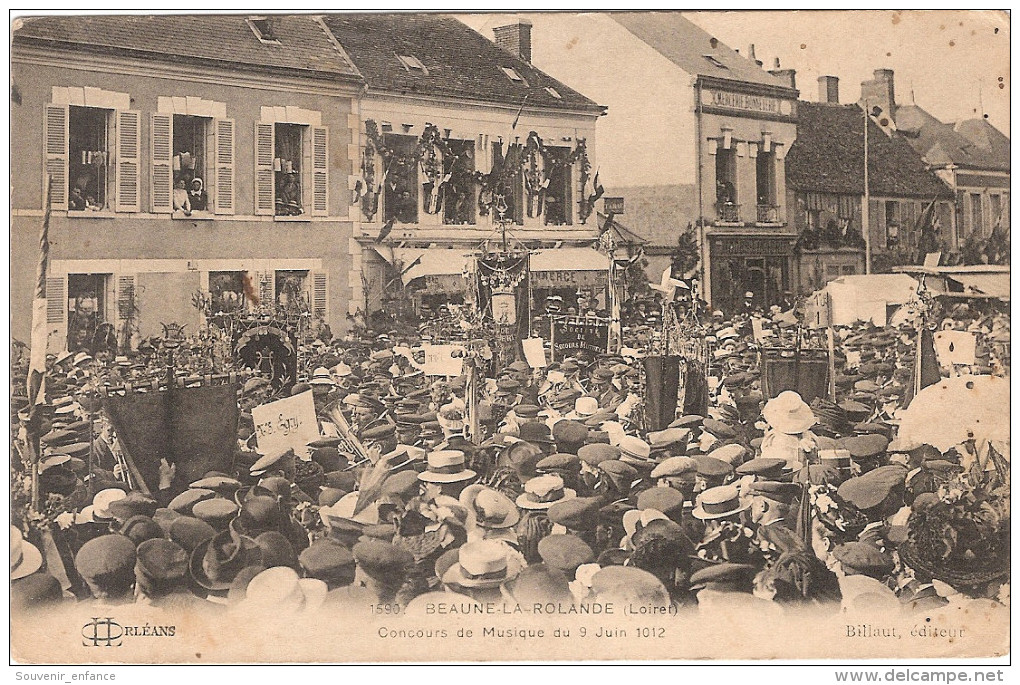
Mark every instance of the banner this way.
pixel 570 336
pixel 286 424
pixel 444 360
pixel 503 291
pixel 662 383
pixel 270 348
pixel 195 428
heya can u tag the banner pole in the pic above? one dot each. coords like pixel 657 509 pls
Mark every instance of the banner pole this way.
pixel 832 364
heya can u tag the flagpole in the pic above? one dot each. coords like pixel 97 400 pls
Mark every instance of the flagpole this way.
pixel 866 208
pixel 37 365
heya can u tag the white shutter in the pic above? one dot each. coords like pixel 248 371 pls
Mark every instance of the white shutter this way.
pixel 224 165
pixel 161 136
pixel 265 180
pixel 56 313
pixel 129 143
pixel 127 313
pixel 320 294
pixel 320 171
pixel 267 288
pixel 55 123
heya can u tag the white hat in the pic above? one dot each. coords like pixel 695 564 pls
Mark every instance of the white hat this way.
pixel 483 564
pixel 342 370
pixel 788 413
pixel 81 358
pixel 634 449
pixel 102 501
pixel 320 376
pixel 26 558
pixel 446 466
pixel 541 492
pixel 586 406
pixel 344 509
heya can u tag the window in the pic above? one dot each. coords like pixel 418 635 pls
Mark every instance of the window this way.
pixel 715 62
pixel 400 195
pixel 227 291
pixel 766 179
pixel 892 223
pixel 263 28
pixel 292 290
pixel 510 195
pixel 557 197
pixel 86 311
pixel 458 192
pixel 89 157
pixel 513 75
pixel 413 64
pixel 996 209
pixel 291 169
pixel 977 222
pixel 189 163
pixel 726 179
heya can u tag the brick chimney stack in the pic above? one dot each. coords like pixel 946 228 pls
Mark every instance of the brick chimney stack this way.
pixel 828 89
pixel 515 38
pixel 880 92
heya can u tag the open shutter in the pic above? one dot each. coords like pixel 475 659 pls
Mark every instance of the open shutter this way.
pixel 55 148
pixel 265 186
pixel 127 313
pixel 320 294
pixel 320 171
pixel 224 166
pixel 267 288
pixel 161 136
pixel 129 143
pixel 56 313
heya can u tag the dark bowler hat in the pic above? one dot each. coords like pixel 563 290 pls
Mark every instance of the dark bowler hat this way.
pixel 723 576
pixel 189 532
pixel 141 528
pixel 536 432
pixel 276 550
pixel 160 564
pixel 217 561
pixel 382 560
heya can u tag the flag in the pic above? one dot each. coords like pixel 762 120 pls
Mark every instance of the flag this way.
pixel 37 364
pixel 926 366
pixel 926 229
pixel 513 126
pixel 385 231
pixel 599 190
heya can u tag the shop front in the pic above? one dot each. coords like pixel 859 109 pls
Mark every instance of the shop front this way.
pixel 761 265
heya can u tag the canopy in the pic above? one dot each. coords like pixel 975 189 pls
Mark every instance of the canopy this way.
pixel 418 262
pixel 569 259
pixel 865 297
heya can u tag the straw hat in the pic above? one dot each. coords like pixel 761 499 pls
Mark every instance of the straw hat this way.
pixel 482 564
pixel 446 466
pixel 788 413
pixel 720 502
pixel 26 558
pixel 542 492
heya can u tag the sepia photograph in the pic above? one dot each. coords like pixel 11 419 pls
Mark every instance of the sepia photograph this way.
pixel 541 337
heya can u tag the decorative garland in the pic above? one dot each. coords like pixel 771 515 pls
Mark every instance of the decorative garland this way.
pixel 533 160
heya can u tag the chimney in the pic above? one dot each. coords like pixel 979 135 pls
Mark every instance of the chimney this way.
pixel 751 56
pixel 879 92
pixel 787 76
pixel 828 89
pixel 515 38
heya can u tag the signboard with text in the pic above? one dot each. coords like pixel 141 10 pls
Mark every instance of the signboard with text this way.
pixel 444 360
pixel 744 102
pixel 570 336
pixel 286 424
pixel 613 205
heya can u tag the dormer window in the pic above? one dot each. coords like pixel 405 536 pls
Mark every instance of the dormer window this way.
pixel 715 62
pixel 552 91
pixel 262 27
pixel 413 64
pixel 513 75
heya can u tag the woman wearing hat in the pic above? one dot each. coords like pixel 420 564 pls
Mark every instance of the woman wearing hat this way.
pixel 789 434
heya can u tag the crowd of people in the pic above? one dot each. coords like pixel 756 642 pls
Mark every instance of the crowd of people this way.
pixel 552 485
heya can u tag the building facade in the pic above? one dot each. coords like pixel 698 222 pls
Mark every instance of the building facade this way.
pixel 440 112
pixel 825 174
pixel 195 165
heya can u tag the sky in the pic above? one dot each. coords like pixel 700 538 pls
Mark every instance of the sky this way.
pixel 954 64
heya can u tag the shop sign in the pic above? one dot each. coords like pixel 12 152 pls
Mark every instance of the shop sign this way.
pixel 569 279
pixel 759 104
pixel 751 247
pixel 613 205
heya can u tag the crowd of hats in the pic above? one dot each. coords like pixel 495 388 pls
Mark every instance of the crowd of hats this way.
pixel 564 498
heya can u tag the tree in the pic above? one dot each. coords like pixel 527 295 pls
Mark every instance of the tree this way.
pixel 686 255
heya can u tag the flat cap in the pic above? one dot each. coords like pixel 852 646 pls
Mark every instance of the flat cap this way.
pixel 675 466
pixel 710 467
pixel 719 429
pixel 106 556
pixel 871 489
pixel 864 559
pixel 162 560
pixel 325 558
pixel 189 532
pixel 597 453
pixel 866 446
pixel 780 492
pixel 762 468
pixel 578 513
pixel 560 461
pixel 184 502
pixel 687 421
pixel 381 559
pixel 669 437
pixel 723 573
pixel 570 432
pixel 565 552
pixel 733 454
pixel 667 500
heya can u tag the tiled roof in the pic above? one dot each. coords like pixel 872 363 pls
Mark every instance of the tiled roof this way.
pixel 460 62
pixel 972 143
pixel 686 45
pixel 828 156
pixel 226 39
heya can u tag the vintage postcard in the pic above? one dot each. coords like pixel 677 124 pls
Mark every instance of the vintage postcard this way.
pixel 564 336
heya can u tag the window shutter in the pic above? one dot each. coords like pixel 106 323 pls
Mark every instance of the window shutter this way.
pixel 161 130
pixel 56 313
pixel 320 294
pixel 320 171
pixel 55 148
pixel 129 137
pixel 265 185
pixel 224 151
pixel 125 297
pixel 267 288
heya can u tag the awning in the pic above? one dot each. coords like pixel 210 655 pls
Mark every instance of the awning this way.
pixel 982 284
pixel 569 267
pixel 420 262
